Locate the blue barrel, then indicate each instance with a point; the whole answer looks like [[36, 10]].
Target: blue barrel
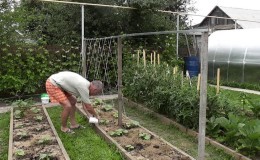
[[192, 64]]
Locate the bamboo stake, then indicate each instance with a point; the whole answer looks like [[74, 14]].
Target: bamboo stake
[[181, 78], [138, 56], [144, 56], [158, 59], [151, 58], [198, 83], [218, 80], [154, 56]]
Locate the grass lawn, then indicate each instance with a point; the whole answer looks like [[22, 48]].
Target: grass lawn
[[174, 136], [85, 143], [4, 134]]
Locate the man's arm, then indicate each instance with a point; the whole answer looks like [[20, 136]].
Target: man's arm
[[89, 109]]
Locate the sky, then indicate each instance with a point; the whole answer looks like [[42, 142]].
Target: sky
[[205, 6]]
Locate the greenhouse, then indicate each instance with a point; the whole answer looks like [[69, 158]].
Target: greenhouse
[[236, 53]]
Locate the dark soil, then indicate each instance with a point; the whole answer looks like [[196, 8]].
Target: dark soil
[[35, 137]]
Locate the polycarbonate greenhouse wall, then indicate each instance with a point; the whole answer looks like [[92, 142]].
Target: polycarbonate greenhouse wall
[[236, 53]]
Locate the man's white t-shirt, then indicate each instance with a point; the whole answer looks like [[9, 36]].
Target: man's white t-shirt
[[72, 83]]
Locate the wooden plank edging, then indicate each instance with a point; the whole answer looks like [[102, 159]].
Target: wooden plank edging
[[103, 134], [10, 148], [190, 132], [65, 154]]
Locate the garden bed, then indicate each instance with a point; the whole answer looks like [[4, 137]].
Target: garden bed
[[32, 135], [133, 140]]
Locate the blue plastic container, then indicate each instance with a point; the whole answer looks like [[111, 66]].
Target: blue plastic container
[[192, 64]]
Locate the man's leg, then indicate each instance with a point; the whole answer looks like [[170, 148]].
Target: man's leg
[[73, 102], [65, 114]]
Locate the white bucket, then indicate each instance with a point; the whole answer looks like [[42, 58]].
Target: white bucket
[[93, 120], [45, 100]]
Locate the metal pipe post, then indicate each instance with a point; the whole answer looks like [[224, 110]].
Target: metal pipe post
[[120, 95]]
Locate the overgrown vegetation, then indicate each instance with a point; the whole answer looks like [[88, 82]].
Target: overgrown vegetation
[[178, 98]]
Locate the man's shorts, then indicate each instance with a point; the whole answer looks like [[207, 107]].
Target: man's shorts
[[55, 93]]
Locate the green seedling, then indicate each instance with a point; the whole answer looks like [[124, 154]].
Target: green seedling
[[19, 152], [104, 121], [38, 118], [45, 156], [18, 114], [38, 129], [22, 135], [115, 114], [18, 126], [35, 110], [129, 147], [145, 136], [132, 124], [97, 101], [118, 132], [45, 140], [107, 108]]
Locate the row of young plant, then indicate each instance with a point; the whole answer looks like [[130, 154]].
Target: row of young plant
[[178, 98], [250, 86], [23, 107], [126, 126]]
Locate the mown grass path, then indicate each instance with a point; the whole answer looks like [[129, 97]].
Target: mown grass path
[[85, 144]]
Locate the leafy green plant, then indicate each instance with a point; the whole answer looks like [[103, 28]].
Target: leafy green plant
[[118, 132], [18, 114], [97, 101], [230, 127], [35, 110], [19, 153], [107, 108], [129, 147], [45, 156], [38, 118], [22, 135], [249, 141], [104, 121], [131, 124], [213, 127], [115, 114], [45, 140], [145, 136], [255, 107]]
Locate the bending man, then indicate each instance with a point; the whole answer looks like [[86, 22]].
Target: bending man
[[62, 87]]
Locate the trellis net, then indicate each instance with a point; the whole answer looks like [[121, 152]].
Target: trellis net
[[101, 62]]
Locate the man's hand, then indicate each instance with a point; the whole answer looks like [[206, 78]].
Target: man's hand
[[90, 110]]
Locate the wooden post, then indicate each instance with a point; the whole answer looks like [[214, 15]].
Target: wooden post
[[120, 95], [154, 58], [138, 56], [181, 78], [203, 96], [158, 59], [144, 56], [218, 80], [151, 58], [198, 83]]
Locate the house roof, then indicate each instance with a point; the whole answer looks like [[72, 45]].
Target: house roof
[[252, 16]]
